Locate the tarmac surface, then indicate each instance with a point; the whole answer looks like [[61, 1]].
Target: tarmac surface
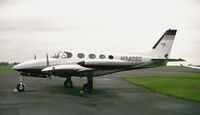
[[111, 96]]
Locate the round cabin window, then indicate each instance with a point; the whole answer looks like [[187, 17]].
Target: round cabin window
[[92, 56], [81, 55], [102, 56], [110, 57]]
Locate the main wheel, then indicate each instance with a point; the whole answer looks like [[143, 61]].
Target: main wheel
[[20, 87], [87, 88], [68, 84]]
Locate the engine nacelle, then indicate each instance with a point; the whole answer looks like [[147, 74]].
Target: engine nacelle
[[64, 70]]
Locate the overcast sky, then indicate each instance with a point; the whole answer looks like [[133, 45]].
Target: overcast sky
[[120, 26]]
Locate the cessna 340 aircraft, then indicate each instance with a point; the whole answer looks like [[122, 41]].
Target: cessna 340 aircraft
[[66, 64]]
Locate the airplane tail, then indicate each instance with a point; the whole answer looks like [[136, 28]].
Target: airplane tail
[[162, 48]]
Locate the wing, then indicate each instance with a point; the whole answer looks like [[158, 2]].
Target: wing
[[94, 67], [107, 64]]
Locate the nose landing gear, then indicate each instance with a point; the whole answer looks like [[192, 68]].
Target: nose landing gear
[[21, 85]]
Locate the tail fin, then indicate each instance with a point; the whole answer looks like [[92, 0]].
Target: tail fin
[[163, 46]]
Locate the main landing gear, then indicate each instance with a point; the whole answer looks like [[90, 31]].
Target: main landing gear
[[21, 85], [88, 87], [68, 82]]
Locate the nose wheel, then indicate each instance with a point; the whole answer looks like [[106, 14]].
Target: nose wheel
[[21, 85]]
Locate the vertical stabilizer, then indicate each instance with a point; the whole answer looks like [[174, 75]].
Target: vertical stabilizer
[[163, 46]]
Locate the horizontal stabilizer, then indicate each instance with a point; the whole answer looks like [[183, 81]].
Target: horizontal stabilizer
[[169, 60]]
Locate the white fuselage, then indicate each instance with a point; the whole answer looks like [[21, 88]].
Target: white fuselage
[[98, 63], [72, 63]]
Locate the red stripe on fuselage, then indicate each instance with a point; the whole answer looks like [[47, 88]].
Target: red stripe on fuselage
[[64, 72], [35, 71]]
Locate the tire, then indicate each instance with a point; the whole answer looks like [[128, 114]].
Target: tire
[[20, 87], [86, 88], [68, 84]]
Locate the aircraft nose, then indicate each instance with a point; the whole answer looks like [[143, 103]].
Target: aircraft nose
[[21, 66], [17, 67]]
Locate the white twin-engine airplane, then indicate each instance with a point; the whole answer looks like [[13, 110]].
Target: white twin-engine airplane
[[84, 64]]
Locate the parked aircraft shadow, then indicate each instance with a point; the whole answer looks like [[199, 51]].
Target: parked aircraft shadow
[[75, 91]]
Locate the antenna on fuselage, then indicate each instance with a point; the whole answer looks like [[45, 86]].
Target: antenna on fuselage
[[34, 56]]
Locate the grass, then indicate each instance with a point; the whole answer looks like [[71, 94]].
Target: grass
[[184, 86], [6, 68]]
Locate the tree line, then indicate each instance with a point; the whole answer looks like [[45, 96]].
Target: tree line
[[8, 64]]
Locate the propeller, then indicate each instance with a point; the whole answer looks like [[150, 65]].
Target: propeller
[[34, 56], [47, 58]]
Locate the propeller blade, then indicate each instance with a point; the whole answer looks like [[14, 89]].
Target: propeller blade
[[34, 57], [47, 59]]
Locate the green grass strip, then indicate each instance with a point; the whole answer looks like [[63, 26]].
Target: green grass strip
[[184, 86], [6, 68]]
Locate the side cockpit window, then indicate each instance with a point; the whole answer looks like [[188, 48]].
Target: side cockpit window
[[66, 55], [62, 55], [56, 55]]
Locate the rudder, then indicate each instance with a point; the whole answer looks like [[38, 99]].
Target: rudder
[[163, 46]]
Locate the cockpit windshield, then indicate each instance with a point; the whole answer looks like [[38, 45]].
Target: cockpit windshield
[[56, 55]]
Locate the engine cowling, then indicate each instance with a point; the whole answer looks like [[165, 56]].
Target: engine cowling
[[63, 70]]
